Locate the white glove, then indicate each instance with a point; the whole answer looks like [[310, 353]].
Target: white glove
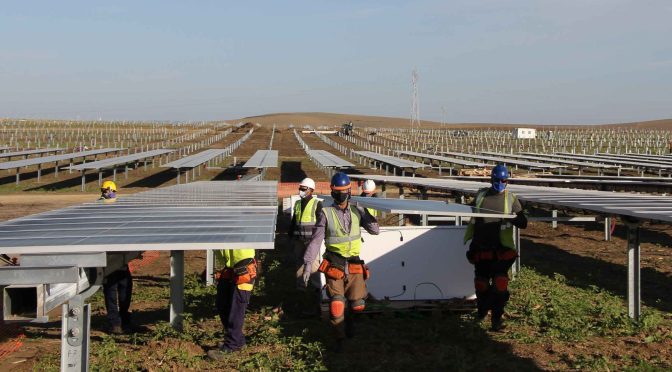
[[306, 274]]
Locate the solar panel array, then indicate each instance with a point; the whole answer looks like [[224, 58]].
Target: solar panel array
[[580, 164], [118, 160], [263, 159], [199, 215], [496, 159], [463, 162], [640, 206], [28, 152], [328, 160], [54, 158], [196, 159], [438, 208], [594, 158], [397, 162]]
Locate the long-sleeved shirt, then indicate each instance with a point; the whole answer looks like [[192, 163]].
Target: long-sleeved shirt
[[366, 220]]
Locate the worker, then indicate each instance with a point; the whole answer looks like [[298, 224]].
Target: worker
[[234, 288], [369, 190], [339, 225], [108, 191], [492, 250], [117, 280], [306, 210]]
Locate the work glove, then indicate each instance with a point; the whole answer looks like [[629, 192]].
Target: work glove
[[306, 274]]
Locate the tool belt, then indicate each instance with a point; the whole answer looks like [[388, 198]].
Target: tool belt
[[244, 271], [334, 266], [505, 254]]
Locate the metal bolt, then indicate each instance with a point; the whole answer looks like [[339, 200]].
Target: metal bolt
[[75, 311], [74, 332]]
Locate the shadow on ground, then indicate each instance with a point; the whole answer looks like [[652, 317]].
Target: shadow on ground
[[584, 272]]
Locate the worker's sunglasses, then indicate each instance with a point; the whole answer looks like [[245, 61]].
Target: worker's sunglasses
[[303, 189]]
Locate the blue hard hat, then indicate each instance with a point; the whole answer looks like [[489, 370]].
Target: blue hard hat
[[340, 181], [500, 172]]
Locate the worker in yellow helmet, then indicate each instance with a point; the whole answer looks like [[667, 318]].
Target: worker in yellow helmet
[[108, 191], [118, 281], [234, 288]]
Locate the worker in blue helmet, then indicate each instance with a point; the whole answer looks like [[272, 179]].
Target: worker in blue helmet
[[339, 226], [492, 250]]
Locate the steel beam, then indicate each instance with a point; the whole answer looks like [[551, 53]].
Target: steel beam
[[634, 290]]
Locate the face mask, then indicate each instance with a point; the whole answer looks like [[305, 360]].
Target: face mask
[[302, 194], [340, 198], [498, 185]]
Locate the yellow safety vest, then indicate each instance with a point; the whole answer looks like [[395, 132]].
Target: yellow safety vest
[[505, 233], [230, 257], [306, 221], [373, 212], [336, 239]]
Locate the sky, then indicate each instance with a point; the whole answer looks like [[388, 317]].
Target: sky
[[494, 61]]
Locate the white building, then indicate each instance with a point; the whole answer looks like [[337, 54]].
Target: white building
[[524, 133]]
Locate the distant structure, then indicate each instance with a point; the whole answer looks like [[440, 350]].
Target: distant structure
[[520, 133], [415, 100]]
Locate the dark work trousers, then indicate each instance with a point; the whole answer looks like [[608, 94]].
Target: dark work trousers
[[118, 288], [231, 303], [492, 298]]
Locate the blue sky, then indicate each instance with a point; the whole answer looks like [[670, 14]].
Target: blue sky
[[524, 61]]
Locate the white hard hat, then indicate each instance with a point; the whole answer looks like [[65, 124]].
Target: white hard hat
[[308, 182], [369, 186]]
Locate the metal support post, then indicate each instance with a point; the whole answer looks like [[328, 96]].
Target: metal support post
[[515, 269], [607, 228], [209, 267], [100, 178], [83, 180], [634, 294], [554, 214], [114, 174], [401, 196], [75, 327], [176, 288]]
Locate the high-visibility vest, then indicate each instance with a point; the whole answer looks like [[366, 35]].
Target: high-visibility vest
[[373, 212], [336, 239], [305, 221], [230, 257], [506, 232]]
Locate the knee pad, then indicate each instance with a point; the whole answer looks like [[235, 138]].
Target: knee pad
[[358, 305], [337, 307], [481, 284], [502, 283]]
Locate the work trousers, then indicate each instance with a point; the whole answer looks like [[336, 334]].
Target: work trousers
[[491, 282], [231, 304], [351, 288], [118, 290]]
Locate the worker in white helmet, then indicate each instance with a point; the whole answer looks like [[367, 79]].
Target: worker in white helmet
[[306, 210], [369, 190]]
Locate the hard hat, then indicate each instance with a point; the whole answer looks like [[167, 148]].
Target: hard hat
[[500, 172], [369, 186], [109, 185], [340, 181], [308, 182]]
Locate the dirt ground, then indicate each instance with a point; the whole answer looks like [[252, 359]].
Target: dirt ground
[[575, 251]]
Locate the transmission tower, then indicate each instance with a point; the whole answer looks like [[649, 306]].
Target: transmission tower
[[415, 100]]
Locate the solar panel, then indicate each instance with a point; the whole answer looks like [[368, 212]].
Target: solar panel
[[410, 206], [443, 158], [638, 164], [621, 203], [557, 161], [199, 215], [328, 160], [263, 159], [28, 152], [497, 159], [397, 162], [54, 158], [118, 160], [196, 159]]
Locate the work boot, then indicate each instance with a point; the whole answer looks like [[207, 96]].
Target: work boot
[[221, 353], [115, 329], [497, 325]]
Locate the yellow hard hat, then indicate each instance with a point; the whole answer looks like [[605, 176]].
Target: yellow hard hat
[[109, 185]]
